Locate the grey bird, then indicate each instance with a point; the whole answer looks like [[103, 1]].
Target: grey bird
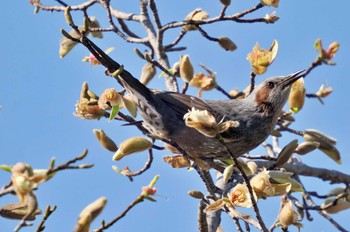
[[163, 111]]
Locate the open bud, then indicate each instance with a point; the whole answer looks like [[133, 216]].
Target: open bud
[[203, 82], [306, 147], [240, 196], [130, 105], [147, 73], [323, 91], [149, 190], [89, 214], [260, 59], [109, 98], [196, 15], [227, 44], [273, 3], [132, 145], [261, 185], [84, 109], [18, 211], [271, 18], [288, 216], [326, 55], [105, 141], [202, 121], [327, 144], [21, 181], [186, 69], [177, 161], [297, 96]]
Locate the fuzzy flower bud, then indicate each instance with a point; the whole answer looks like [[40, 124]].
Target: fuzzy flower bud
[[132, 145], [186, 69], [227, 44], [261, 185], [288, 216], [130, 105], [89, 214], [147, 73], [323, 91], [105, 141], [327, 144], [273, 3], [297, 96], [196, 15]]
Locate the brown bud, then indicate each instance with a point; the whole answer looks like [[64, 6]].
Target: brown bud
[[196, 194], [18, 211], [105, 141], [132, 145], [225, 2], [227, 44], [147, 73], [68, 16]]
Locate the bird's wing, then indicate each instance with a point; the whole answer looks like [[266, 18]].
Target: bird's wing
[[182, 103]]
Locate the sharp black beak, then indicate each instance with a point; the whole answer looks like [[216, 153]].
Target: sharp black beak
[[290, 79]]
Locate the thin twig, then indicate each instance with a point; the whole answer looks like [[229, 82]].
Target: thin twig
[[48, 212]]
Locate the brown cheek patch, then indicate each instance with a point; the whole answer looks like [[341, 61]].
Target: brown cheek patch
[[262, 95]]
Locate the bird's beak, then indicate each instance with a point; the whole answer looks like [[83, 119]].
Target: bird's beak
[[290, 79]]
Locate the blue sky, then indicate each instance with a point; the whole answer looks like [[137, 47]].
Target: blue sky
[[38, 92]]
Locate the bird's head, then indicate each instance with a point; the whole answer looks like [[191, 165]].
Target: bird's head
[[271, 94]]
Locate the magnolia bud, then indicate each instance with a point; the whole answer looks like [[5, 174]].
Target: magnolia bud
[[132, 145], [197, 14], [89, 213], [186, 69], [327, 144], [286, 152], [196, 194], [287, 216], [18, 211], [130, 105], [147, 73], [297, 95], [227, 44], [105, 141], [306, 147], [225, 2]]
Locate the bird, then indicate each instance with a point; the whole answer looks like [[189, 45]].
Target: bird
[[163, 112]]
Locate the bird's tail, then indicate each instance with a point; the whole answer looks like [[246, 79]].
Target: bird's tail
[[125, 78]]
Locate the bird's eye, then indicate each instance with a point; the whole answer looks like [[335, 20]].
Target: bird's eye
[[270, 84]]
